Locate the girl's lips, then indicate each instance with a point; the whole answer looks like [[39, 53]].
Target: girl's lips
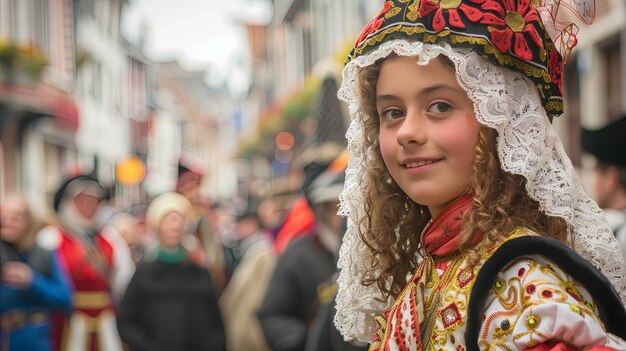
[[420, 163]]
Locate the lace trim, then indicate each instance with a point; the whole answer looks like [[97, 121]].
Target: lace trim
[[527, 145]]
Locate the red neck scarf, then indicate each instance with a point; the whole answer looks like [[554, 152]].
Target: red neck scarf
[[442, 236]]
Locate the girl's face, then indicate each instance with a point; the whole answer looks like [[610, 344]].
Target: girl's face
[[171, 229], [428, 130]]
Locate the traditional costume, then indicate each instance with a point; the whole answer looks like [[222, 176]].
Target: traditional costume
[[94, 261], [528, 292]]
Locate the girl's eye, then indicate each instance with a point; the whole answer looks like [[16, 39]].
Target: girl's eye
[[440, 107], [391, 114]]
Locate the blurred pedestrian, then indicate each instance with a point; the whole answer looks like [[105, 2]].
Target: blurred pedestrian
[[303, 277], [202, 221], [99, 266], [171, 301], [299, 219], [272, 212], [608, 145], [32, 282], [128, 227], [253, 261]]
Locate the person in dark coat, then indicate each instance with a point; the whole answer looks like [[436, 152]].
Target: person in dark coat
[[608, 145], [303, 279], [171, 301]]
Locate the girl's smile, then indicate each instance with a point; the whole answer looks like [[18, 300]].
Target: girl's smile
[[417, 164]]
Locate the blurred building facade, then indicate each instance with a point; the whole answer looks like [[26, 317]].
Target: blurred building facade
[[305, 34], [188, 122], [102, 89], [39, 117], [595, 77], [75, 96], [300, 50]]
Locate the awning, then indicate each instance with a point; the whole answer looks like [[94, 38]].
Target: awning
[[41, 98]]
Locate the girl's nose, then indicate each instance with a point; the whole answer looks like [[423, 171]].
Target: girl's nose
[[413, 130]]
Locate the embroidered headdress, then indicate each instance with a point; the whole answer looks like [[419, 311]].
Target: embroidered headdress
[[509, 57]]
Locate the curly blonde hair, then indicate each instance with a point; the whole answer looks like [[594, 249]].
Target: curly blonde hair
[[501, 204]]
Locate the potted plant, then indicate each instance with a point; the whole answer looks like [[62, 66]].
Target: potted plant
[[8, 55], [31, 61]]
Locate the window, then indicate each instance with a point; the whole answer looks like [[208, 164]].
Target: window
[[40, 26]]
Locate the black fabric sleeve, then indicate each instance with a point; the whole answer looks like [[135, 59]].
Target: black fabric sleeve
[[611, 310], [129, 324], [279, 315]]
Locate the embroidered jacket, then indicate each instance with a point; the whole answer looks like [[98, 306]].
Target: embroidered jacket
[[521, 300]]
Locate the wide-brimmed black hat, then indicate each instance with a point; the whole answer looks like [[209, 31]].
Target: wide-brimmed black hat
[[608, 144], [74, 183], [327, 186]]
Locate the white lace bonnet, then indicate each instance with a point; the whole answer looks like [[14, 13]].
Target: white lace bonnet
[[518, 100]]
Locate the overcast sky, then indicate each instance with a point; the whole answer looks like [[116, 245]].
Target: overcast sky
[[200, 34]]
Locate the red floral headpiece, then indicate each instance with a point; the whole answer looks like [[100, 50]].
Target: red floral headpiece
[[533, 37]]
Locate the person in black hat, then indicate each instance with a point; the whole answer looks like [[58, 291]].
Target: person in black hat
[[608, 145], [99, 264], [202, 221]]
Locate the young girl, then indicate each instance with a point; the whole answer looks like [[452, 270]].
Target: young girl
[[467, 226]]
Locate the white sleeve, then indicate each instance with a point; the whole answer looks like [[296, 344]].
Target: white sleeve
[[123, 264], [533, 301], [49, 238]]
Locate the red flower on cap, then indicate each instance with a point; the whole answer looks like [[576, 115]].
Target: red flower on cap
[[452, 7], [516, 17], [374, 24]]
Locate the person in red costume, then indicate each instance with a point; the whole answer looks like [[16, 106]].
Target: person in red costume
[[99, 264], [467, 226]]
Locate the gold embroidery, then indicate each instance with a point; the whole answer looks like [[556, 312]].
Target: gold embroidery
[[392, 12], [526, 284], [413, 11]]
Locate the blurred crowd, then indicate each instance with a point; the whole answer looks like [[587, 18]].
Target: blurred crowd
[[176, 273], [183, 273]]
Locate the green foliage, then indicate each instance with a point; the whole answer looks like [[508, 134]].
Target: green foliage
[[26, 57]]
